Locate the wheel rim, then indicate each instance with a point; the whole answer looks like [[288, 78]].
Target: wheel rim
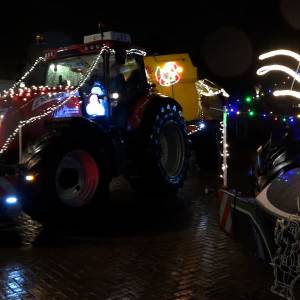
[[77, 178], [172, 148]]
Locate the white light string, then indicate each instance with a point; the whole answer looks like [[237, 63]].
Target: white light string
[[204, 87], [36, 63], [225, 153], [266, 69], [52, 108], [278, 53], [281, 93], [136, 51]]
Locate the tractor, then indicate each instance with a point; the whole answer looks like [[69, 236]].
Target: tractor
[[85, 114]]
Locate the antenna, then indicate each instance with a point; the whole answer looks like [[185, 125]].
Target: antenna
[[100, 28]]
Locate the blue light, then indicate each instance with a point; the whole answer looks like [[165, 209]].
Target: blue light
[[201, 125], [11, 200], [98, 89], [232, 110], [66, 112], [264, 115]]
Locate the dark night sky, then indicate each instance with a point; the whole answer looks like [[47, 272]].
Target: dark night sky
[[224, 38]]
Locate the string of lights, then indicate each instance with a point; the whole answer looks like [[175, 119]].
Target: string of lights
[[225, 153], [278, 53], [54, 107], [291, 93], [251, 105], [26, 74], [42, 59], [207, 88], [136, 52], [266, 69], [294, 74], [231, 112]]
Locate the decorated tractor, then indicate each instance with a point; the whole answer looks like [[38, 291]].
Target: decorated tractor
[[87, 113]]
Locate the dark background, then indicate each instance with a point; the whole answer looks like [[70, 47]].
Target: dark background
[[224, 38]]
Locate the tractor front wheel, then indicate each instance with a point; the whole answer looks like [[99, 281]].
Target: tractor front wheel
[[72, 177], [162, 150]]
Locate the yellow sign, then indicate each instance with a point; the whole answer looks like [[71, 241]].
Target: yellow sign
[[175, 76]]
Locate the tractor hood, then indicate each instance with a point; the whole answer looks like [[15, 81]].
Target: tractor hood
[[27, 104]]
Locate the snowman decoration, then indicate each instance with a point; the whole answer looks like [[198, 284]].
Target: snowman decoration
[[96, 103]]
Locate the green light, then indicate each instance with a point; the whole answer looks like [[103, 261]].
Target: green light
[[248, 99], [251, 113], [284, 119]]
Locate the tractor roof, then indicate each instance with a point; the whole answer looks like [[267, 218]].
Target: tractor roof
[[91, 44]]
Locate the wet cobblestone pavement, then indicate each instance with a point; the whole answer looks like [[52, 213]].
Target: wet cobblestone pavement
[[136, 250]]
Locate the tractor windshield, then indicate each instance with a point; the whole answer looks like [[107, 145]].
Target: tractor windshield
[[70, 71]]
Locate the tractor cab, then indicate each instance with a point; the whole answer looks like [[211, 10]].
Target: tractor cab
[[116, 76]]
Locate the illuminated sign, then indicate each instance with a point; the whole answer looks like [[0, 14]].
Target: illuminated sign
[[41, 100], [169, 74]]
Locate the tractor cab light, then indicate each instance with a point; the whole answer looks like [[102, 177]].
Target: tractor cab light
[[115, 96]]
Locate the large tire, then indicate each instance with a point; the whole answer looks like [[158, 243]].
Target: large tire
[[161, 150], [72, 180]]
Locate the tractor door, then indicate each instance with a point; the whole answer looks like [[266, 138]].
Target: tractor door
[[127, 84]]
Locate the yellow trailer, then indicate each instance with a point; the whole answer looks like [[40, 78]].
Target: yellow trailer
[[174, 75]]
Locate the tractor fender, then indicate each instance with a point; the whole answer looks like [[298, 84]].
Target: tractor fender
[[57, 129], [145, 104]]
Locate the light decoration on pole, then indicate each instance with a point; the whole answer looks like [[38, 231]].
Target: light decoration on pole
[[53, 108], [225, 152], [168, 74], [293, 74], [209, 89]]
